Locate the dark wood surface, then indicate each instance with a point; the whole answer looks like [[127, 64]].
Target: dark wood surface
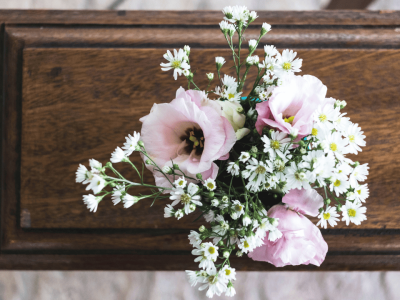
[[72, 92]]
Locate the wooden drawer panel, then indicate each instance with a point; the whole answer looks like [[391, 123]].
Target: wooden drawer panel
[[73, 92]]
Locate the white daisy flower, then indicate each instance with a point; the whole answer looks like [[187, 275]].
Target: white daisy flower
[[319, 132], [176, 62], [247, 244], [339, 184], [82, 174], [355, 137], [194, 238], [96, 184], [180, 182], [220, 229], [208, 250], [117, 193], [129, 200], [329, 215], [276, 145], [169, 211], [324, 115], [335, 144], [214, 202], [215, 283], [361, 192], [91, 202], [353, 212], [244, 156], [287, 64], [233, 169], [230, 291], [341, 123], [210, 184], [96, 167], [343, 168], [131, 143], [236, 14], [238, 209], [118, 155], [252, 16], [227, 28], [296, 177], [231, 94], [210, 216], [270, 50], [179, 214], [229, 81], [196, 277], [359, 173], [186, 198], [228, 272], [252, 60], [256, 172]]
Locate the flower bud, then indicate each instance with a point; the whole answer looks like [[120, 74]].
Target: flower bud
[[186, 49], [214, 202], [254, 149], [252, 45], [219, 62], [327, 201], [225, 199], [232, 232], [148, 162], [303, 150], [343, 104], [210, 76], [265, 28], [339, 208], [252, 16], [220, 243], [226, 254], [211, 194], [202, 228], [167, 170], [239, 109], [176, 166], [239, 253], [321, 209]]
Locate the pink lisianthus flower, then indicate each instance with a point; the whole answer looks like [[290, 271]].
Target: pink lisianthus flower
[[189, 131], [292, 105], [301, 242], [305, 201]]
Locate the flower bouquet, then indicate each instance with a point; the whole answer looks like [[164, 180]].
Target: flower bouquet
[[253, 166]]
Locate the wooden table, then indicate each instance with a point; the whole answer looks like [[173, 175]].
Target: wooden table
[[74, 84]]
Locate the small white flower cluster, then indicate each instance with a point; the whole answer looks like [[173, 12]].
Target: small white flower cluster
[[317, 161], [97, 179], [179, 62]]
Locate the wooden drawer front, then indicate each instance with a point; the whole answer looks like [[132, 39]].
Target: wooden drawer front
[[72, 93]]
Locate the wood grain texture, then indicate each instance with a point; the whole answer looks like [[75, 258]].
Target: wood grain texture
[[80, 103], [179, 262], [343, 17], [73, 93]]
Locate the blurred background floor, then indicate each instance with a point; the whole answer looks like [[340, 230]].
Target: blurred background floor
[[22, 285]]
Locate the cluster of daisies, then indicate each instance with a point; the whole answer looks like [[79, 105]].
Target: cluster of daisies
[[267, 160]]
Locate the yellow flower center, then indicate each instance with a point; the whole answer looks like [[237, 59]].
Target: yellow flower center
[[337, 183], [322, 117], [246, 244], [260, 170], [181, 182], [230, 96], [359, 192], [238, 207], [210, 185], [176, 64], [275, 145], [211, 250], [333, 147], [212, 279], [185, 198], [267, 185], [327, 216], [351, 212], [289, 120], [286, 66], [314, 132], [227, 272], [351, 138]]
